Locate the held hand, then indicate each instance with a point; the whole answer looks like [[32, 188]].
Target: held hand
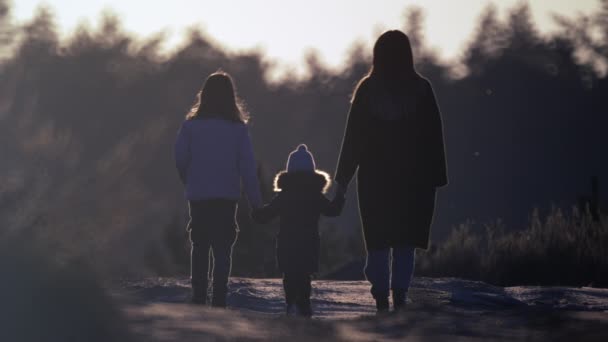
[[336, 205], [253, 213], [340, 191], [256, 214]]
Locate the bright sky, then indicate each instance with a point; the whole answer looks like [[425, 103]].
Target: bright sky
[[286, 29]]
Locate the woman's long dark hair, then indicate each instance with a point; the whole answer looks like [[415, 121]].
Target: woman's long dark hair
[[393, 59], [218, 99], [392, 80]]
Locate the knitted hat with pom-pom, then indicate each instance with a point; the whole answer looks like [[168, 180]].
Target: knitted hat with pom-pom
[[301, 160]]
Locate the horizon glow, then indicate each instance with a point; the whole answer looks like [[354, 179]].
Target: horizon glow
[[286, 31]]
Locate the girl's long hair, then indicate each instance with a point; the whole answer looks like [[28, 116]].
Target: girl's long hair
[[218, 99]]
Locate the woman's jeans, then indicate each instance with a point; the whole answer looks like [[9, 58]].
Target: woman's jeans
[[380, 264], [213, 229]]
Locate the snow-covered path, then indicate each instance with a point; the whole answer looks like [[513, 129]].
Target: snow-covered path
[[438, 309]]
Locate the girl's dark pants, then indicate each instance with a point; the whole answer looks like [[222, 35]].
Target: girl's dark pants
[[297, 287], [213, 228], [298, 260]]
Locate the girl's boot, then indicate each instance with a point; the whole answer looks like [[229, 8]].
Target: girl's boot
[[290, 309], [382, 305], [399, 298], [304, 307]]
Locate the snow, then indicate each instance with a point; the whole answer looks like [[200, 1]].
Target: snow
[[438, 309], [331, 299], [351, 299], [563, 298]]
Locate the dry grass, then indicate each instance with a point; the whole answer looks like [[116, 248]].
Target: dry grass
[[559, 249]]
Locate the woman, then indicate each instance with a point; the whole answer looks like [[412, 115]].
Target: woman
[[394, 139], [214, 155]]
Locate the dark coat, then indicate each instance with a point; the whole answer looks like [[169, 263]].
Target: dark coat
[[399, 160], [299, 204]]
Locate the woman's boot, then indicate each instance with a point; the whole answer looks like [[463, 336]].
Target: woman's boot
[[199, 294], [219, 296]]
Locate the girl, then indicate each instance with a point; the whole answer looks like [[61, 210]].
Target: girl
[[299, 204], [394, 139], [213, 155]]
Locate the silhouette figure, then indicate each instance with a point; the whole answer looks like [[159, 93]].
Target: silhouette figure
[[394, 142], [299, 203], [213, 155]]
